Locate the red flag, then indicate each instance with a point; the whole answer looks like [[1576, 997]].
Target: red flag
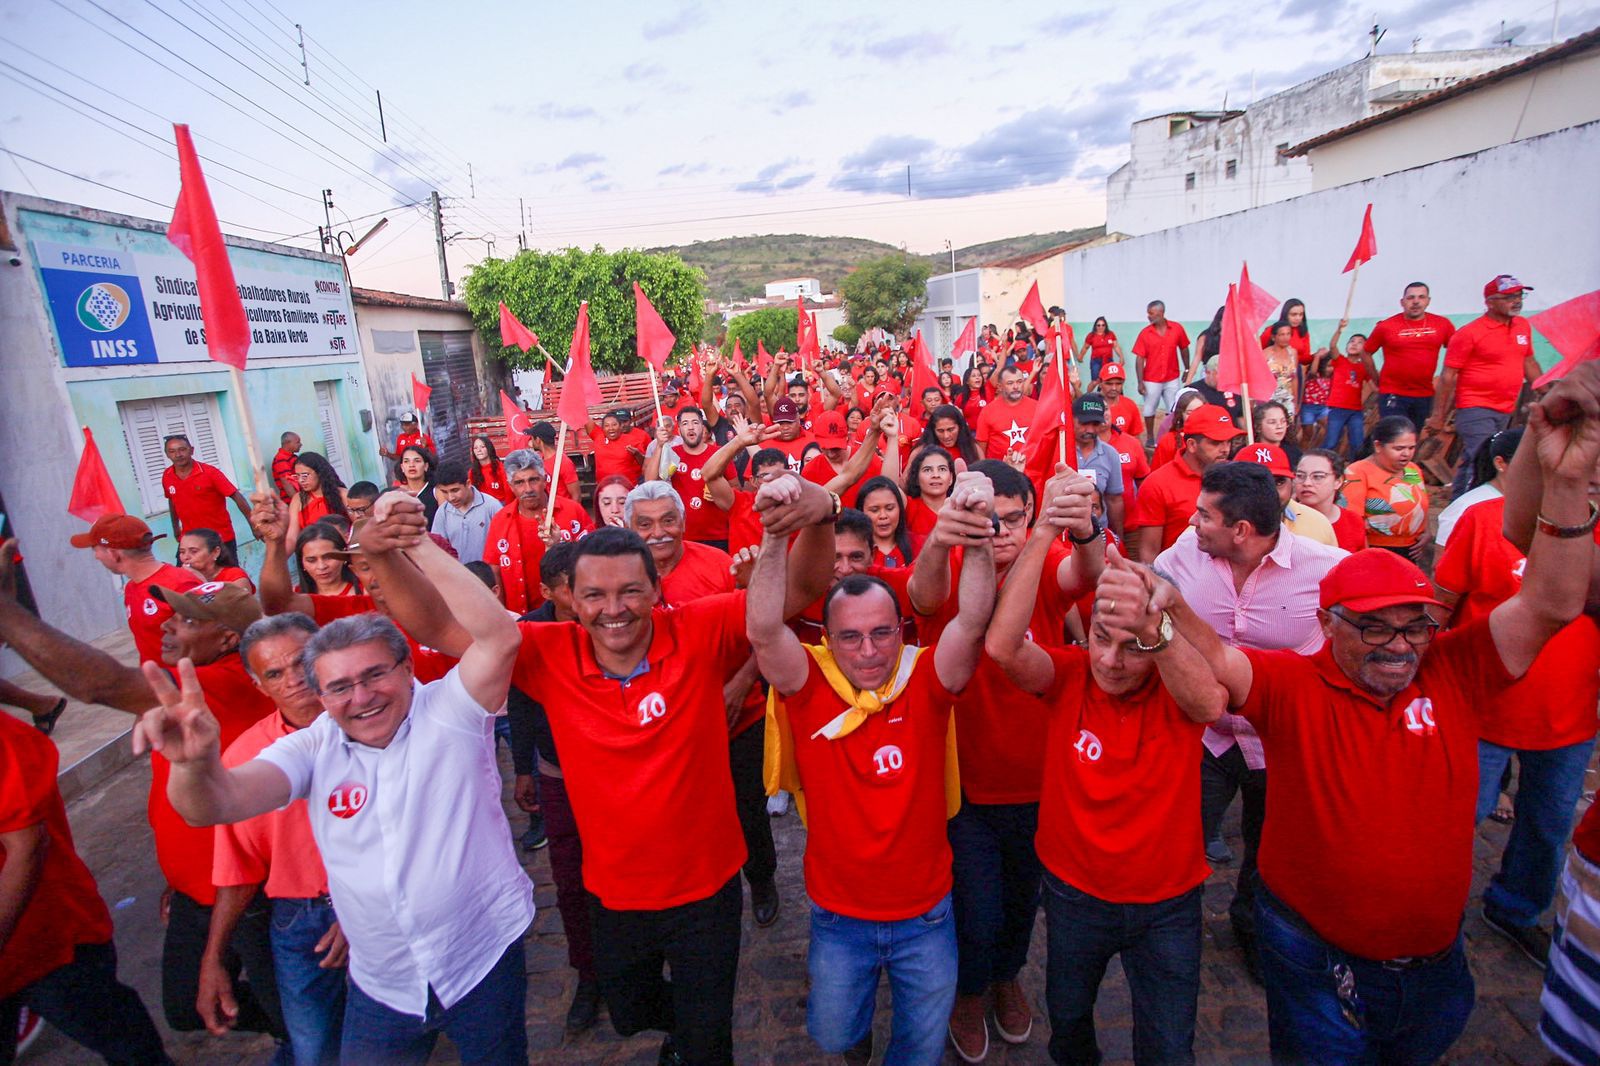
[[763, 358], [195, 231], [654, 339], [514, 334], [967, 342], [1032, 310], [1052, 417], [518, 422], [697, 379], [923, 376], [1241, 363], [420, 394], [1259, 304], [1366, 244], [738, 355], [93, 494], [1573, 329], [579, 389]]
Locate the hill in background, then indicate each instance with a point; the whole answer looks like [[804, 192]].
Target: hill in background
[[738, 268]]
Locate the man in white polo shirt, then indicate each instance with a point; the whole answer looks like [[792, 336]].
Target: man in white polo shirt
[[404, 797]]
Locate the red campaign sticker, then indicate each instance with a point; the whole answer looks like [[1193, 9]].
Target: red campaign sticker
[[888, 761], [347, 800]]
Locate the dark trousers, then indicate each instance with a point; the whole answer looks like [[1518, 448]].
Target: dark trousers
[[566, 870], [996, 890], [745, 752], [86, 1002], [1221, 777], [1160, 948], [250, 950], [699, 941], [1416, 408]]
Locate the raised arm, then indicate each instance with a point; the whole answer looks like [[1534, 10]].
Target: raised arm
[[1227, 664], [787, 504], [274, 585], [653, 461], [1067, 506], [752, 400], [779, 656], [1024, 662], [955, 657], [485, 667], [1185, 673], [409, 598]]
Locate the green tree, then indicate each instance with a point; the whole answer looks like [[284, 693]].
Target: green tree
[[543, 289], [711, 328], [847, 335], [773, 326], [886, 293]]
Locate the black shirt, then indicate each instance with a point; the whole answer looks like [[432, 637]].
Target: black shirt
[[531, 738]]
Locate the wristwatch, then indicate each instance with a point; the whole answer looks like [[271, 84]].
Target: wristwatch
[[1095, 531], [1550, 529], [838, 509], [1165, 632]]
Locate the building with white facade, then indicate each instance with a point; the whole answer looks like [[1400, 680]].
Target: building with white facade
[[1187, 166], [791, 288]]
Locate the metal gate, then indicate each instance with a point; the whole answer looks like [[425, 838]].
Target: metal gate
[[452, 374]]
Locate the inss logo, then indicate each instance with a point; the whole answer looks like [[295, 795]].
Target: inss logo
[[103, 307]]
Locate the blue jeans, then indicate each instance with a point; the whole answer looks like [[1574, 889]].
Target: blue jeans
[[1386, 1014], [487, 1025], [996, 892], [1160, 948], [1347, 423], [312, 998], [848, 955], [1548, 786], [1474, 427], [1416, 408]]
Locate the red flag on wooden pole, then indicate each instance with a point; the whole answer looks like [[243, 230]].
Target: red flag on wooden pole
[[1032, 310], [513, 334], [93, 494], [579, 389], [1366, 244], [420, 394], [651, 334], [923, 375], [195, 231], [738, 355]]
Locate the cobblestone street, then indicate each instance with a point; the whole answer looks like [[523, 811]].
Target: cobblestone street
[[769, 1019]]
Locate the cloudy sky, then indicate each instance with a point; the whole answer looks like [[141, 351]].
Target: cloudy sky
[[643, 124]]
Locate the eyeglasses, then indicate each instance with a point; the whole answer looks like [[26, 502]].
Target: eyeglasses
[[1014, 521], [343, 691], [1316, 477], [1377, 634], [852, 640]]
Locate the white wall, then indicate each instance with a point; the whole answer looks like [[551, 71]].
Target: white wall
[[1525, 208]]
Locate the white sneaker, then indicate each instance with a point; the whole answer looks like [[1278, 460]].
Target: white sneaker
[[778, 805]]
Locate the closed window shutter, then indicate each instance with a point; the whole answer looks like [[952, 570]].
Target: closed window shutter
[[142, 434], [332, 429]]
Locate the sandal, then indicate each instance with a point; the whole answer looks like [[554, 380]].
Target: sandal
[[46, 723], [1502, 815]]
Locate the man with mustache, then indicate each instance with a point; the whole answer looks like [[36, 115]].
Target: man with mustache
[[1366, 855]]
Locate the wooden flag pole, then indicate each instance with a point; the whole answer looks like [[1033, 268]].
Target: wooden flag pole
[[555, 475], [248, 422], [655, 394], [1066, 402], [1351, 298], [1249, 417]]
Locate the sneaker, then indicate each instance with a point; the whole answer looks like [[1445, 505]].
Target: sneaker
[[585, 1008], [534, 838], [861, 1054], [778, 805], [1531, 940], [969, 1028], [1218, 853], [29, 1026], [1013, 1016]]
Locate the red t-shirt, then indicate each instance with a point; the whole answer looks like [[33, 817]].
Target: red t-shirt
[[791, 449], [703, 519], [1124, 415], [1350, 530], [1553, 704], [1371, 830], [1160, 351], [492, 481], [820, 471], [1411, 352], [1167, 499], [66, 909], [569, 476], [975, 408], [1101, 345], [920, 518], [1348, 377], [1003, 427], [646, 759], [703, 571], [415, 440], [275, 849], [1487, 358], [1120, 814], [1135, 467], [183, 851], [200, 500], [1167, 448], [146, 614], [613, 457], [744, 524], [876, 845]]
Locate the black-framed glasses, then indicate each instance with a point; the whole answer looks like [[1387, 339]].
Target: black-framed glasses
[[1378, 634], [340, 691]]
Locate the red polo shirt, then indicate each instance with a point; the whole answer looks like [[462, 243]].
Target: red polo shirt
[[1160, 351], [821, 470], [1135, 466], [276, 848], [646, 759], [1411, 353], [876, 845], [1124, 414], [1487, 357], [1003, 427], [66, 909], [744, 523], [1553, 704], [415, 440], [1120, 814], [146, 613], [200, 500], [1167, 499], [1370, 833], [613, 457], [702, 571]]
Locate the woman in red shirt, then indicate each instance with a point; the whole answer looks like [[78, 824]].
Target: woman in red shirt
[[1317, 481], [321, 493], [946, 428], [200, 552], [1101, 347], [892, 543], [322, 559], [488, 475], [929, 476], [1171, 442], [974, 394]]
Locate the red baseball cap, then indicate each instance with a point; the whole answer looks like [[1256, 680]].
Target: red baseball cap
[[1113, 372], [1212, 422], [1270, 456], [1374, 578], [1505, 285], [830, 429], [116, 531]]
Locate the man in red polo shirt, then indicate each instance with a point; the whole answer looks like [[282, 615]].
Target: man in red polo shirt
[[410, 436], [198, 494], [1366, 856], [836, 457], [1003, 426], [1119, 809], [1162, 351], [681, 461], [121, 544], [863, 735], [619, 447], [283, 478], [1167, 497], [1121, 412], [1410, 342], [57, 957], [1485, 366]]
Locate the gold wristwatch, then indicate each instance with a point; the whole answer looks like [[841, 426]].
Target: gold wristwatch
[[1165, 632]]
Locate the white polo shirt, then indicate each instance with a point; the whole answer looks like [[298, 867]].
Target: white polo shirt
[[421, 869]]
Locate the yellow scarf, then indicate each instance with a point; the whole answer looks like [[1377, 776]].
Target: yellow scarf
[[778, 767]]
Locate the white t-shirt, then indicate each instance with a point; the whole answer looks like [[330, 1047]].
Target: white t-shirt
[[420, 865], [1458, 507]]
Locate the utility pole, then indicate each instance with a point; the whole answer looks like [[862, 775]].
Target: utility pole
[[383, 129], [438, 236], [327, 216], [522, 232], [472, 190], [302, 35]]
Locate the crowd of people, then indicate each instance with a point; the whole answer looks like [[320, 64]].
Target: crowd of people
[[1000, 659]]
